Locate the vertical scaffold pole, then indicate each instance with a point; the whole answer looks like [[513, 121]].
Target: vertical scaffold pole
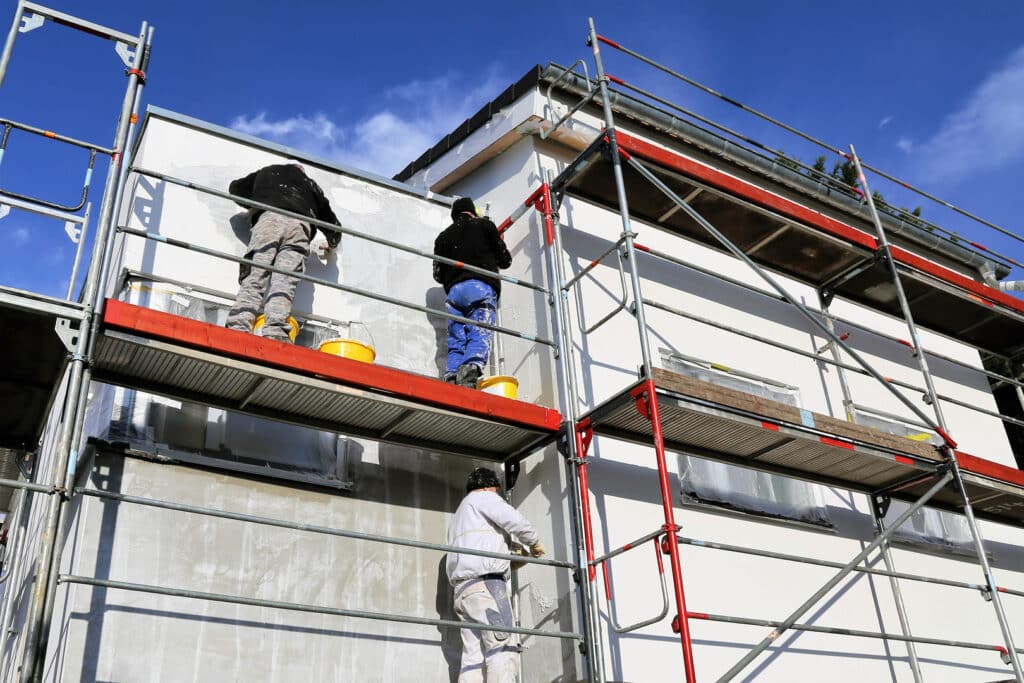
[[566, 374], [651, 398], [66, 451], [5, 57], [897, 597], [950, 445], [883, 549]]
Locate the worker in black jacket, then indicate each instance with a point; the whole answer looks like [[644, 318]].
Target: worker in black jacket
[[477, 242], [278, 241]]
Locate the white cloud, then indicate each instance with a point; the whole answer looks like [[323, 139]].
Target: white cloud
[[411, 117], [986, 133], [21, 236], [886, 120], [905, 144], [318, 127]]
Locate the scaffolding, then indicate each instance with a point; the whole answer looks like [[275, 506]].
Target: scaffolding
[[130, 346], [660, 187]]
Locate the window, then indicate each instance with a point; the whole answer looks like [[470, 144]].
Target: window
[[739, 488], [927, 526], [934, 528]]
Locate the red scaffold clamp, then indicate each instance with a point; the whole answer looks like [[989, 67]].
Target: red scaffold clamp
[[136, 72]]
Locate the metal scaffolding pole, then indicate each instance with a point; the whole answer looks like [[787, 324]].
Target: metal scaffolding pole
[[649, 397], [727, 547], [897, 596], [738, 253], [811, 139], [333, 285], [12, 35], [757, 290], [979, 543], [311, 609], [66, 451], [566, 376], [788, 622]]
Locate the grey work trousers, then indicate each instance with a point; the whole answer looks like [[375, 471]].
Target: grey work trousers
[[276, 241], [491, 656]]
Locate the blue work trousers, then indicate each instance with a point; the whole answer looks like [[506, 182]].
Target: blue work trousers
[[467, 343]]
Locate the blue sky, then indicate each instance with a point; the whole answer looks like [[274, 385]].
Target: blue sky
[[934, 93]]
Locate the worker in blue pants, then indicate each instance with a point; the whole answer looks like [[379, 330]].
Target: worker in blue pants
[[475, 241]]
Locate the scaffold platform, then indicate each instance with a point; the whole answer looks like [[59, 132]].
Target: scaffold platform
[[710, 421], [794, 240], [191, 360]]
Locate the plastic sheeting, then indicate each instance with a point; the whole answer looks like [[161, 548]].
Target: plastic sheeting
[[197, 433], [740, 488]]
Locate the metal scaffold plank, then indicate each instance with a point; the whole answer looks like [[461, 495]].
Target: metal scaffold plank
[[163, 353]]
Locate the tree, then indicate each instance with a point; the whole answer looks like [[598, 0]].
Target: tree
[[880, 202], [791, 163], [846, 172], [819, 169]]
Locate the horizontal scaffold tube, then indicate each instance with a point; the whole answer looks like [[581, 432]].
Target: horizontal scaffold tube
[[27, 485], [8, 123], [312, 528], [837, 565], [327, 283], [331, 227], [835, 630], [827, 361], [300, 607], [801, 134], [757, 290]]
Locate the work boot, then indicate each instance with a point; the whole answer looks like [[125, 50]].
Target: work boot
[[449, 377], [467, 375]]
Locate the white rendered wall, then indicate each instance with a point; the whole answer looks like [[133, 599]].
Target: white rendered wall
[[624, 491], [400, 492]]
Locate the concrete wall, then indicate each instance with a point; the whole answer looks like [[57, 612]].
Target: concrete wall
[[624, 490]]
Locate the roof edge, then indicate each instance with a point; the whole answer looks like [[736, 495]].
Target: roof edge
[[316, 161]]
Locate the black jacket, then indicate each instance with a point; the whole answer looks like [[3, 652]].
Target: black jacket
[[286, 186], [475, 241]]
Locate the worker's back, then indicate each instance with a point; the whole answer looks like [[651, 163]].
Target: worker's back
[[484, 521], [477, 242]]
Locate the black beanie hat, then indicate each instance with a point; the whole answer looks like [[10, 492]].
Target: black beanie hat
[[463, 204]]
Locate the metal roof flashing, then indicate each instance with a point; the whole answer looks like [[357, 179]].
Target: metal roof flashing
[[675, 133]]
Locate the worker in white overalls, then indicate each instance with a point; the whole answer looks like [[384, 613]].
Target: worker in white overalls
[[484, 521]]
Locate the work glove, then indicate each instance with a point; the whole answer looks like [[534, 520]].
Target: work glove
[[537, 550]]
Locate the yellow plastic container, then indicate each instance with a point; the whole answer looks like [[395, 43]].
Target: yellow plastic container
[[349, 348], [293, 326], [501, 385]]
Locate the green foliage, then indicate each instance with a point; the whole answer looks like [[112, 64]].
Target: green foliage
[[846, 171], [789, 162], [819, 166]]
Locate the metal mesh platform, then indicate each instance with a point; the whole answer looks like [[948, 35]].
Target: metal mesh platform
[[190, 360], [717, 423], [716, 430], [791, 239], [34, 362], [996, 491]]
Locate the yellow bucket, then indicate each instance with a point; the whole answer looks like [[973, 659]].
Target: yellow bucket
[[349, 348], [501, 385], [293, 326]]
